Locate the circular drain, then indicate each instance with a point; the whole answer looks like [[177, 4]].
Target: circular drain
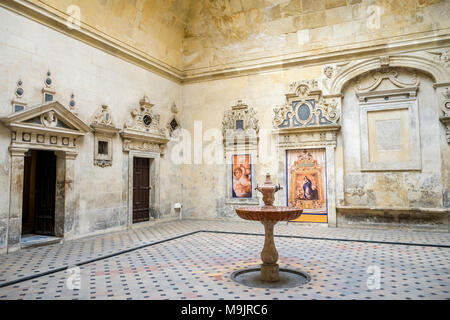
[[288, 278]]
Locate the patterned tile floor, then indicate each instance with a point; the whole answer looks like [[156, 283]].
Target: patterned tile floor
[[199, 265]]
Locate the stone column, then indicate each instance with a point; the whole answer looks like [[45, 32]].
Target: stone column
[[331, 186], [71, 197], [269, 255], [60, 193], [16, 198]]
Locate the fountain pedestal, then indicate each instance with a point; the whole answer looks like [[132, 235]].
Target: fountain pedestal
[[269, 255], [269, 215]]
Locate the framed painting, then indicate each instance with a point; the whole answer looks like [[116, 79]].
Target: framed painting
[[241, 176], [306, 183]]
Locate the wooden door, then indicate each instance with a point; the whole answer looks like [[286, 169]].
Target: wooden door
[[141, 189], [45, 193]]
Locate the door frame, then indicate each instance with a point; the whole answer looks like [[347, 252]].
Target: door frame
[[66, 195], [154, 178]]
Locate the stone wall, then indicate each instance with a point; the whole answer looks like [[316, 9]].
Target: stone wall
[[154, 28], [395, 196], [27, 51], [227, 34]]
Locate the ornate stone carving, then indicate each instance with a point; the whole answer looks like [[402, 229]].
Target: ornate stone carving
[[129, 145], [102, 118], [104, 131], [143, 131], [48, 92], [240, 120], [328, 71], [442, 56], [174, 123], [303, 88], [387, 74], [445, 106], [50, 126], [49, 119], [72, 104], [305, 107], [385, 61], [143, 119], [17, 103]]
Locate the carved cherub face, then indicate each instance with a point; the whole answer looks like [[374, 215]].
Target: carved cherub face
[[328, 71]]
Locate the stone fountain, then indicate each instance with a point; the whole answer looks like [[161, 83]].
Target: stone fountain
[[269, 275]]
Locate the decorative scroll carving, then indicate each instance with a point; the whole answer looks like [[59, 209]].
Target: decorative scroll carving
[[305, 107], [442, 56], [143, 131], [144, 120], [102, 118], [387, 74], [445, 105], [241, 120]]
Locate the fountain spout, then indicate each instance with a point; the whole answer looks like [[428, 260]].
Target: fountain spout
[[268, 190]]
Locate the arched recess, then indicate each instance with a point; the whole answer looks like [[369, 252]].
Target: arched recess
[[347, 73], [439, 74]]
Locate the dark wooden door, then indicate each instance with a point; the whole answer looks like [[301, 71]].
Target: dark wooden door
[[141, 189], [45, 193]]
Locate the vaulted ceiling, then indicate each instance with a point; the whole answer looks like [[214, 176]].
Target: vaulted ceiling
[[191, 37]]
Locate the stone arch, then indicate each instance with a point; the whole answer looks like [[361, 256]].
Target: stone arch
[[346, 74]]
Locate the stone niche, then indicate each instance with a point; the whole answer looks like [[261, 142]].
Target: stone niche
[[104, 132], [240, 129], [48, 127], [308, 121], [143, 137], [389, 122]]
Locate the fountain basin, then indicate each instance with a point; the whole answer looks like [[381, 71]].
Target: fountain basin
[[269, 213]]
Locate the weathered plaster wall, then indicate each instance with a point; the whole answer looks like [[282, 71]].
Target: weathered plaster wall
[[27, 51], [152, 27], [223, 33]]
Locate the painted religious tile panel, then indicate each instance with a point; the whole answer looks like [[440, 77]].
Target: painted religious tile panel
[[242, 176], [307, 183]]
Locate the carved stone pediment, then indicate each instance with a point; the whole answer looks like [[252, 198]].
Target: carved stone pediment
[[306, 108], [46, 126], [143, 131], [102, 121], [240, 124]]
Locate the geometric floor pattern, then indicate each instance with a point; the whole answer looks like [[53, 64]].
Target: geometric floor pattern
[[359, 264]]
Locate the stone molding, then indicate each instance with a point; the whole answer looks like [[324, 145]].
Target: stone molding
[[418, 60], [50, 126]]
